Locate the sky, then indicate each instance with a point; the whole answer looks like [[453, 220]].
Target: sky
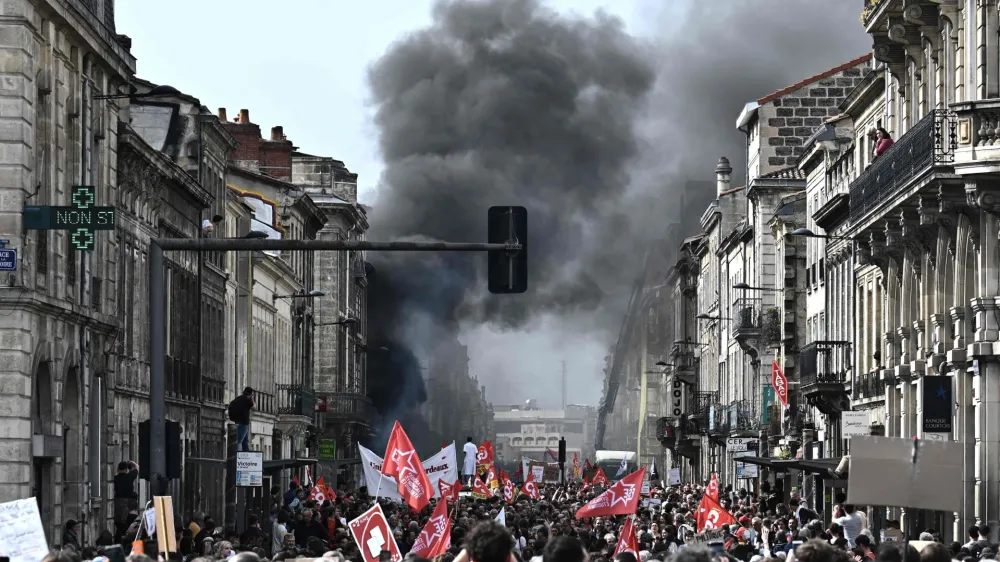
[[303, 65]]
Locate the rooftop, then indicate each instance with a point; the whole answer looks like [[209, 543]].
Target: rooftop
[[789, 173], [811, 79]]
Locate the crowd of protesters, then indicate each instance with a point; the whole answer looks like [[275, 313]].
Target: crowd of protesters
[[769, 528]]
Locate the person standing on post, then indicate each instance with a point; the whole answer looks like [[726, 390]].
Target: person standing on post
[[239, 413], [469, 467]]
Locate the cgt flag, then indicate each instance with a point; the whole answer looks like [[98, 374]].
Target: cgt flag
[[372, 534], [627, 539], [712, 490], [435, 539], [530, 488], [401, 462], [622, 498], [711, 515], [484, 457]]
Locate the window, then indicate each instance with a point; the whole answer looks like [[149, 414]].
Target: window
[[822, 271]]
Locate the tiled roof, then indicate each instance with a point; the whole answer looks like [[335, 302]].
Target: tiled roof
[[812, 79], [733, 190], [789, 173]]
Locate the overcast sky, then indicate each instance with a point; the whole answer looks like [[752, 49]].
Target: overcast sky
[[302, 64]]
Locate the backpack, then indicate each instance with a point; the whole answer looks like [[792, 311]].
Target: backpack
[[235, 409]]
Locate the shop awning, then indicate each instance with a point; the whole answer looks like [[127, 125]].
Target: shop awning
[[822, 467], [773, 464], [282, 464]]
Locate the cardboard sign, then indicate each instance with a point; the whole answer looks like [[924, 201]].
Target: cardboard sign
[[708, 537], [164, 508], [22, 538], [372, 534], [897, 472]]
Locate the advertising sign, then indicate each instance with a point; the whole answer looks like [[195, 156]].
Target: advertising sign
[[938, 405]]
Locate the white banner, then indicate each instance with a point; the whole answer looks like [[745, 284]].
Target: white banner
[[443, 465], [501, 517]]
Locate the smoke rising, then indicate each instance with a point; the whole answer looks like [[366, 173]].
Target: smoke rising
[[593, 130]]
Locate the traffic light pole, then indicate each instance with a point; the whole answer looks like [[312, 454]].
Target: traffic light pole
[[157, 310]]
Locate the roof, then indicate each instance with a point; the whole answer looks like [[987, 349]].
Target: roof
[[811, 79], [733, 190], [789, 173]]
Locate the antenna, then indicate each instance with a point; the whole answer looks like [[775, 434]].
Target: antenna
[[564, 384]]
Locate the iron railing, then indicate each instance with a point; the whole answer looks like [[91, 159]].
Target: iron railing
[[295, 400], [699, 407], [868, 385], [213, 390], [824, 362], [748, 317], [351, 407], [182, 378], [928, 143]]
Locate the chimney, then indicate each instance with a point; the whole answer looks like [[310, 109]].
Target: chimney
[[244, 116], [723, 174], [277, 133], [222, 115]]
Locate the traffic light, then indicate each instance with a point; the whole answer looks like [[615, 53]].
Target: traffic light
[[562, 450], [508, 269], [173, 450]]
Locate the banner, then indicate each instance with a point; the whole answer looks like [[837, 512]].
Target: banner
[[938, 407], [779, 382], [442, 466]]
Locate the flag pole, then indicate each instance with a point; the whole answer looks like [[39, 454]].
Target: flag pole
[[378, 489]]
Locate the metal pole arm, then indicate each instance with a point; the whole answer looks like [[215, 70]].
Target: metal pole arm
[[258, 245]]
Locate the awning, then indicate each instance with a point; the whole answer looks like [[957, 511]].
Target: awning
[[202, 460], [282, 464], [822, 467], [773, 464]]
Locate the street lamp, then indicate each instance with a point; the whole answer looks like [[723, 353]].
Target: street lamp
[[746, 287], [688, 342], [806, 233], [344, 322], [710, 317], [310, 295]]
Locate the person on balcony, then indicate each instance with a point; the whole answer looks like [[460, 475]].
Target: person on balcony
[[883, 141], [239, 413]]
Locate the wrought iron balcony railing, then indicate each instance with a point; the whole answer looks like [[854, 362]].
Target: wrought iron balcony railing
[[748, 319], [295, 400], [823, 373], [347, 406], [928, 143], [868, 385]]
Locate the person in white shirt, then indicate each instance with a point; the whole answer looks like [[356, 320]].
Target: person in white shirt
[[469, 466]]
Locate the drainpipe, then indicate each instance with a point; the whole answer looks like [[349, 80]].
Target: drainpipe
[[95, 418]]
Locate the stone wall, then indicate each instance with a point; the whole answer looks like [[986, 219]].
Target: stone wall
[[786, 122]]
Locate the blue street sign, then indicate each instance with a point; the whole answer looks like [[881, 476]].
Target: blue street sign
[[8, 260]]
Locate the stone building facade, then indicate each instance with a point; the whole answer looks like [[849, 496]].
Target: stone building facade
[[59, 306]]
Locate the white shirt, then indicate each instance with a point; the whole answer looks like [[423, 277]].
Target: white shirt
[[471, 450]]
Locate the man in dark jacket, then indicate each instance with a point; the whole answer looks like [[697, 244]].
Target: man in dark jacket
[[239, 413]]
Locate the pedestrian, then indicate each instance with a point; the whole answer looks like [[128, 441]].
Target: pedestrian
[[239, 413], [469, 466]]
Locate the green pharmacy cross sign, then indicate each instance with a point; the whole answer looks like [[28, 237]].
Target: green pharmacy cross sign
[[82, 217]]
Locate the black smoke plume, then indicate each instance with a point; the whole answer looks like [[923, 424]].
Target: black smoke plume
[[593, 130]]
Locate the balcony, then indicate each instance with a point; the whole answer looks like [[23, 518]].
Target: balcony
[[666, 432], [824, 370], [346, 407], [929, 143], [699, 409], [747, 324], [868, 386], [732, 419], [182, 379], [294, 400]]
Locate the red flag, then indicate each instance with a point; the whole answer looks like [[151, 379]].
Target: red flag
[[586, 464], [622, 498], [519, 473], [444, 444], [509, 491], [712, 490], [449, 490], [551, 454], [435, 539], [627, 540], [492, 479], [295, 478], [479, 488], [576, 464], [331, 494], [372, 534], [530, 488], [484, 457], [402, 463], [600, 479], [318, 492], [711, 515], [779, 382]]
